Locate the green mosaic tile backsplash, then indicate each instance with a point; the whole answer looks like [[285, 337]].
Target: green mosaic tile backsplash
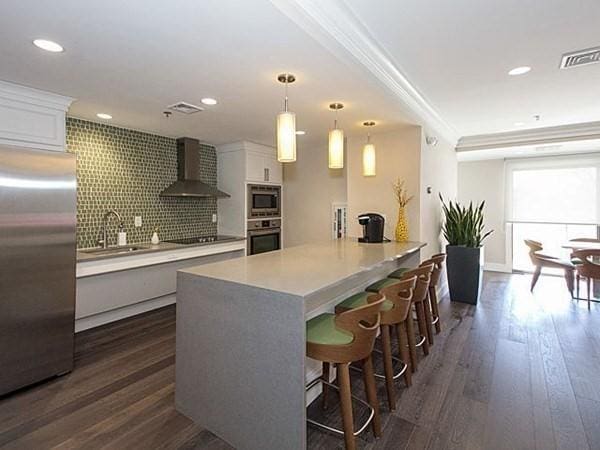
[[125, 170]]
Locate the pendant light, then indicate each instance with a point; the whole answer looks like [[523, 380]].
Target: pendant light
[[286, 126], [368, 155], [336, 141]]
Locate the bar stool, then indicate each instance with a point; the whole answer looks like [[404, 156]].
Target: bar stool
[[420, 294], [394, 314], [430, 306], [438, 260], [343, 339]]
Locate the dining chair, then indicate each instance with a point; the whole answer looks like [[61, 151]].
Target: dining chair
[[589, 268], [540, 260]]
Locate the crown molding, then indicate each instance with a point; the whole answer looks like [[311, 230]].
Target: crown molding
[[24, 94], [535, 136], [333, 22]]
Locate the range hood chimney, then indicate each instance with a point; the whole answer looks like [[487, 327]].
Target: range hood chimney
[[188, 182]]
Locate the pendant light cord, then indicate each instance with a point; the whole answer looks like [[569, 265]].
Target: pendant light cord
[[286, 94]]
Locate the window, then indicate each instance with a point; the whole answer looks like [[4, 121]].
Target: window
[[551, 200]]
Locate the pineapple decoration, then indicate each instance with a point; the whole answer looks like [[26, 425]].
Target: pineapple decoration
[[402, 198]]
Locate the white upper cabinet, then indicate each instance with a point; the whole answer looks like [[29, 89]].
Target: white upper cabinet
[[263, 167], [32, 118], [258, 162]]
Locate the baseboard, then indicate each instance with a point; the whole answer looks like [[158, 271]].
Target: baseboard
[[96, 320], [496, 267]]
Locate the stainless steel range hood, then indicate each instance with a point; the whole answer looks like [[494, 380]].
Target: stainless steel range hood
[[188, 182]]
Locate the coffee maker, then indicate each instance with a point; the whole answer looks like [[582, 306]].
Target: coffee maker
[[372, 225]]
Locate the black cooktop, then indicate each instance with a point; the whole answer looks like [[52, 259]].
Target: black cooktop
[[201, 240]]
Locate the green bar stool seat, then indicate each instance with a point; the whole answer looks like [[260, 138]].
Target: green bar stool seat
[[380, 284], [360, 299], [322, 330], [398, 273]]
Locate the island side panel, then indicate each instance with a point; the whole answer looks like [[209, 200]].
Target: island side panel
[[240, 357]]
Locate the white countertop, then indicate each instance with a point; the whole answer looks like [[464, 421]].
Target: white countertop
[[305, 269], [159, 254]]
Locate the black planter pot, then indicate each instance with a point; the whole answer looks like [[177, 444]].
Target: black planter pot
[[465, 270]]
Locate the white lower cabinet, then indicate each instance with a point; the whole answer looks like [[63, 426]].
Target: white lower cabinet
[[106, 297]]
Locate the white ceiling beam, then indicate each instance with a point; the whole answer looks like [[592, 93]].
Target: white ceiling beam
[[535, 136]]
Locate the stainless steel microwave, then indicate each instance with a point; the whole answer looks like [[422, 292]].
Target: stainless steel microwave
[[264, 201]]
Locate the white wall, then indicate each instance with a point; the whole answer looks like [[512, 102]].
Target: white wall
[[485, 180], [398, 155], [309, 189], [439, 171]]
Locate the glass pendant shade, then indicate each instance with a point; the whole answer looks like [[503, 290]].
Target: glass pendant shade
[[286, 137], [368, 162], [336, 149]]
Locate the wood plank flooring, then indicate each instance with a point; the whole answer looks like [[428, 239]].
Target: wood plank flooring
[[519, 371]]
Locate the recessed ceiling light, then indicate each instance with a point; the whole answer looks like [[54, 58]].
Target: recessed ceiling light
[[209, 101], [300, 132], [104, 116], [49, 46], [519, 70]]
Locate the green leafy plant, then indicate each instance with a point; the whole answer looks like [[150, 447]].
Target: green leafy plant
[[463, 225]]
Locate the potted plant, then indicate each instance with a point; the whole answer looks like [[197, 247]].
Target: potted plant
[[463, 229]]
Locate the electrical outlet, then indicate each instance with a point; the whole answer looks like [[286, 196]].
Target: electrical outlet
[[214, 218], [137, 221]]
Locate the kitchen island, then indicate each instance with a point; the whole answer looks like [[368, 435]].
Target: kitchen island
[[241, 363]]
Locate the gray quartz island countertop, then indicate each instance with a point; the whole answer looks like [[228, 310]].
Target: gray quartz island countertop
[[241, 365], [306, 269]]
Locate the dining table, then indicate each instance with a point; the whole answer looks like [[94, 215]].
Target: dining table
[[586, 245]]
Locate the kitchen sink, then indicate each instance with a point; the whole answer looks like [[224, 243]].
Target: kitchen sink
[[115, 250]]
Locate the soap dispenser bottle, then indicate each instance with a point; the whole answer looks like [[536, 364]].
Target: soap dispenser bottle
[[155, 240], [121, 235]]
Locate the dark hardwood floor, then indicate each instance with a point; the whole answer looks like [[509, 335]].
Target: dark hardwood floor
[[519, 371]]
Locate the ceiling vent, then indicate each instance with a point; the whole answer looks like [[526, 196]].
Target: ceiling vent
[[580, 58], [185, 108]]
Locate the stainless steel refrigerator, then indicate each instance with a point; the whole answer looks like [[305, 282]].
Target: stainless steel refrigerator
[[37, 265]]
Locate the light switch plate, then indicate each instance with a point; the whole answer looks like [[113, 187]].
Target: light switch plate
[[137, 221], [214, 218]]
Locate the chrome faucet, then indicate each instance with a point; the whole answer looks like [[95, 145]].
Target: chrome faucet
[[104, 241]]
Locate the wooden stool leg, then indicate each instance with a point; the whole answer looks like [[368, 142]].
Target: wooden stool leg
[[412, 345], [346, 405], [325, 393], [404, 353], [388, 367], [435, 308], [428, 320], [422, 326], [589, 288], [369, 378]]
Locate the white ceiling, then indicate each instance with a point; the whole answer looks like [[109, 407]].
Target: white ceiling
[[457, 54], [133, 58]]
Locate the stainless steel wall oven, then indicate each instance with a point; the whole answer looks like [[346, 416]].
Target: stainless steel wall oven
[[263, 236]]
